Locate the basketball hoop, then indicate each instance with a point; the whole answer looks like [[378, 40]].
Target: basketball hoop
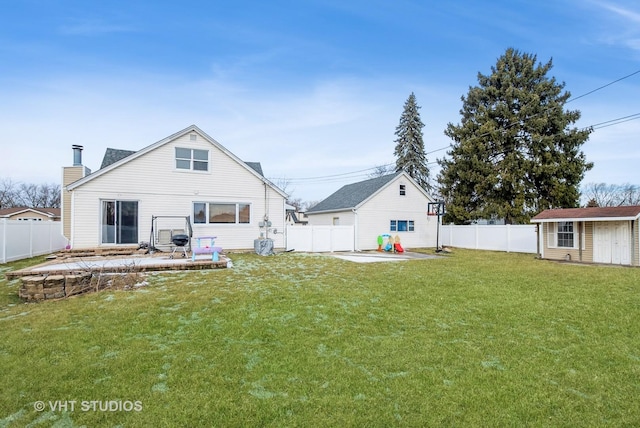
[[436, 209]]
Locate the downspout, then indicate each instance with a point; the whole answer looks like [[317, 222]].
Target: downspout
[[266, 211], [355, 229], [285, 224], [72, 222]]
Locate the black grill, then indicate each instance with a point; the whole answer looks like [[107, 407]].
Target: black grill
[[180, 240]]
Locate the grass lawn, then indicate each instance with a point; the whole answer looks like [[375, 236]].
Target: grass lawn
[[471, 339]]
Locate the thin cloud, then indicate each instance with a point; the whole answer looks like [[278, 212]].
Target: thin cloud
[[622, 12], [94, 28], [626, 31]]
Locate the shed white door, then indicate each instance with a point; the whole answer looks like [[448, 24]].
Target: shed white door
[[611, 243]]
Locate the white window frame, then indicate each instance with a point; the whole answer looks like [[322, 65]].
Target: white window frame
[[207, 205], [192, 159], [552, 235], [394, 225]]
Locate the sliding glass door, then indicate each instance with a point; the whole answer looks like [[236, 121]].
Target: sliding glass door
[[119, 222]]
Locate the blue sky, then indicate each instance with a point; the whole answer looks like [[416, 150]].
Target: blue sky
[[311, 89]]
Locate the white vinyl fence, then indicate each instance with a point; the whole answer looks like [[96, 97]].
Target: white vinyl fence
[[319, 239], [516, 238], [24, 239]]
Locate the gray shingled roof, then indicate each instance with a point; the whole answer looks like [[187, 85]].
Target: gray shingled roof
[[256, 167], [113, 156], [351, 195]]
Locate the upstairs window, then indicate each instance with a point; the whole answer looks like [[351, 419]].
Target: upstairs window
[[192, 159], [403, 190]]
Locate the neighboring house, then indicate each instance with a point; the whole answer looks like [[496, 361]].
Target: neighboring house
[[489, 222], [393, 204], [590, 235], [187, 174], [296, 217], [35, 214]]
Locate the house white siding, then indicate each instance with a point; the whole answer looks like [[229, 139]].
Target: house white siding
[[375, 215], [162, 190], [346, 218]]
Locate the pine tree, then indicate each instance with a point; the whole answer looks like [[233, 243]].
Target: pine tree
[[515, 152], [409, 151]]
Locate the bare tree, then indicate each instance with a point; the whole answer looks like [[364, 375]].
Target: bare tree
[[14, 194], [49, 195], [8, 192], [28, 195], [283, 184], [309, 204], [296, 202], [380, 170], [630, 194], [611, 195]]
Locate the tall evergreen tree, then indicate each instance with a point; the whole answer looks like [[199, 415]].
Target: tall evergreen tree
[[515, 152], [409, 151]]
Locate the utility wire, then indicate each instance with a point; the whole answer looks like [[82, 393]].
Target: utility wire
[[364, 173], [616, 121], [604, 86]]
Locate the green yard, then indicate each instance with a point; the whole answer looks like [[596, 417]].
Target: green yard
[[472, 339]]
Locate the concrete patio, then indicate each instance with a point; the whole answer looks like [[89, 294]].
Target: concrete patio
[[121, 264]]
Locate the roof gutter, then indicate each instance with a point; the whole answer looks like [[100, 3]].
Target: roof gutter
[[555, 220]]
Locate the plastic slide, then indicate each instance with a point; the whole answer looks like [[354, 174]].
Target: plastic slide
[[398, 248]]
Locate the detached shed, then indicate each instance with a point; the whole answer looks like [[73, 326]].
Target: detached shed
[[590, 235]]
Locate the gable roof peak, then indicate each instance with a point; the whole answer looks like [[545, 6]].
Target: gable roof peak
[[351, 195], [255, 167]]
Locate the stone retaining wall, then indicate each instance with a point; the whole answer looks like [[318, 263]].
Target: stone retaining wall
[[44, 287]]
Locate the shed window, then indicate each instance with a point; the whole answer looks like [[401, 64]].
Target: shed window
[[561, 235], [565, 234]]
